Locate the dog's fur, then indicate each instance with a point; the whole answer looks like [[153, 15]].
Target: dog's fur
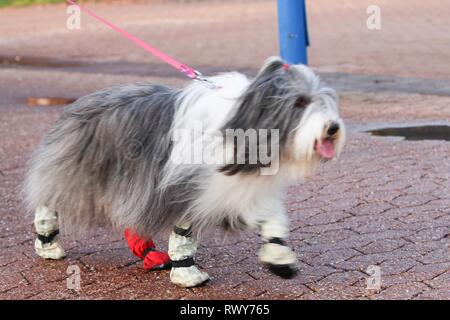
[[109, 158]]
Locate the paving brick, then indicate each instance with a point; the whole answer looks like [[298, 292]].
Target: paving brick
[[401, 291]]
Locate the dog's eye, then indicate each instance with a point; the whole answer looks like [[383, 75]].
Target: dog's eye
[[302, 102]]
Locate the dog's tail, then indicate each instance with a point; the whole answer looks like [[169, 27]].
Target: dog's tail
[[103, 161]]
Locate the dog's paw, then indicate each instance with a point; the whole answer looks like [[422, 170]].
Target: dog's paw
[[52, 250], [188, 276], [280, 259], [285, 271]]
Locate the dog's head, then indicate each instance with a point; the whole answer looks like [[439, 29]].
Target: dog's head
[[292, 100]]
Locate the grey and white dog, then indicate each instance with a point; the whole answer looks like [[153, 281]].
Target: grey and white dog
[[113, 159]]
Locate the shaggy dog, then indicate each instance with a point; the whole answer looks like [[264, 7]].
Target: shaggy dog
[[152, 158]]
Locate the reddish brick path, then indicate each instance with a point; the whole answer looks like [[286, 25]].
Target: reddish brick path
[[385, 202]]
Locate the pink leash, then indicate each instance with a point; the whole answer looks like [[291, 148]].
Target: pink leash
[[188, 71]]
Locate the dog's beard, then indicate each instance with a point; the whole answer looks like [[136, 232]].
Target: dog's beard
[[311, 145]]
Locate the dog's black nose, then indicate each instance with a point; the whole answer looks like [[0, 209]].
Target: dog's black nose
[[333, 128]]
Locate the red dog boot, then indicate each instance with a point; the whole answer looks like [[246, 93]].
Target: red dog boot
[[153, 259]]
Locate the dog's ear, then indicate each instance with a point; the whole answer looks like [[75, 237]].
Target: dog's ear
[[271, 65]]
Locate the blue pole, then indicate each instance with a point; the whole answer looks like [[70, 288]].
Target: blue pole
[[293, 31]]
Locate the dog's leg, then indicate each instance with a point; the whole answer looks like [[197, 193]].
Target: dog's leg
[[46, 244], [280, 259], [182, 247]]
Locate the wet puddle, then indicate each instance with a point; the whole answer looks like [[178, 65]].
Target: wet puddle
[[428, 132]]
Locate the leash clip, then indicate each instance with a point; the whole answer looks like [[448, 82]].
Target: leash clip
[[208, 83]]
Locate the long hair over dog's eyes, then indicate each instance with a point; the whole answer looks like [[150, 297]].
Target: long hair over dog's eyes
[[302, 102]]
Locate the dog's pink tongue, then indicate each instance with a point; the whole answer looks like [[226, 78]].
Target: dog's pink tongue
[[325, 148]]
